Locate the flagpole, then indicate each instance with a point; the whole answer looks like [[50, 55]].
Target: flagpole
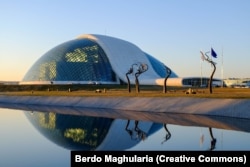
[[201, 73], [222, 72], [202, 59]]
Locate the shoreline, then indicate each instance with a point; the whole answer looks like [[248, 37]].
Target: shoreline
[[235, 108]]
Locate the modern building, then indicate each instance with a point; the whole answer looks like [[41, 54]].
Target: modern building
[[9, 82], [237, 82], [100, 59]]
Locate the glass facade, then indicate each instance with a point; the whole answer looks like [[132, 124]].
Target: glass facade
[[159, 67], [195, 81], [75, 60], [84, 61]]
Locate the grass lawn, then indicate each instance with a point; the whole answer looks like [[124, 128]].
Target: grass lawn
[[145, 91]]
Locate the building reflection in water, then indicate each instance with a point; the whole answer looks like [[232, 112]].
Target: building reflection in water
[[91, 133], [105, 129]]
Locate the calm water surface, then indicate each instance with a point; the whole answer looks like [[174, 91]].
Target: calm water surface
[[44, 136]]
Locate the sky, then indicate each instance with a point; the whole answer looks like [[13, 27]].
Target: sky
[[173, 31]]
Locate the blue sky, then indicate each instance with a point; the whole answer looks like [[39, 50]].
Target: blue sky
[[173, 31]]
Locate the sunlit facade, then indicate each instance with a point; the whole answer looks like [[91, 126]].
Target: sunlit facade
[[100, 59], [237, 82], [93, 59]]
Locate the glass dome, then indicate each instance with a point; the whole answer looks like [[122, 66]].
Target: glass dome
[[75, 60], [159, 67]]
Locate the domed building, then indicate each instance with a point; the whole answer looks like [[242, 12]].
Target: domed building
[[94, 59], [101, 59]]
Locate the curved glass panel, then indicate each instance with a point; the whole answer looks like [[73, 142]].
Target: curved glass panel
[[88, 133], [71, 131], [75, 60], [159, 67]]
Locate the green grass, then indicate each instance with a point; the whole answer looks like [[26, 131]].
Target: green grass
[[121, 91]]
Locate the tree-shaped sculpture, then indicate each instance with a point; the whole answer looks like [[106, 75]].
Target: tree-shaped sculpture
[[206, 57], [168, 73], [141, 69], [130, 71]]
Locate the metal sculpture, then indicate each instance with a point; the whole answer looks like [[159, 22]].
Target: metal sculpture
[[130, 71], [206, 57], [168, 73], [140, 68]]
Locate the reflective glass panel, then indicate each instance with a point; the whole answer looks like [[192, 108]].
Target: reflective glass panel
[[75, 60]]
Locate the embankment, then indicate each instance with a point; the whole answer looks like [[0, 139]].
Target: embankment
[[237, 108]]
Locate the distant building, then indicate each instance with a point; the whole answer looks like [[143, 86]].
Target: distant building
[[99, 59], [237, 82], [9, 82]]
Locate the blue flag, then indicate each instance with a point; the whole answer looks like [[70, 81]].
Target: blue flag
[[213, 53]]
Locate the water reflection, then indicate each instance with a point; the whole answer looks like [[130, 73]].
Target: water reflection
[[91, 129], [168, 134], [213, 140], [70, 131], [139, 134], [90, 133]]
